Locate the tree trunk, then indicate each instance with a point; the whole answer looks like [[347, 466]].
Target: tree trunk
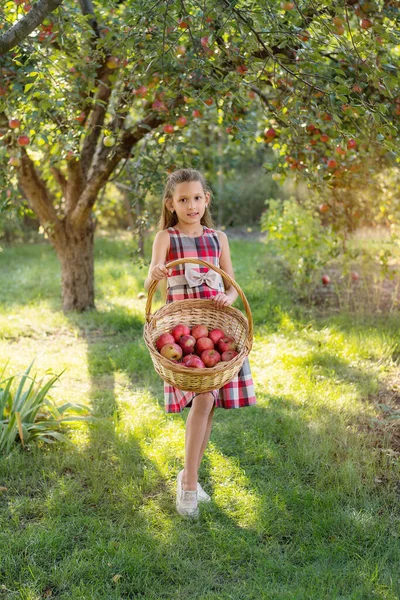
[[77, 267]]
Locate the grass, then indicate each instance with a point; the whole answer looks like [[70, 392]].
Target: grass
[[305, 485]]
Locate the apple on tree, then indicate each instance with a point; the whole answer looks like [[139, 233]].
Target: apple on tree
[[14, 123], [23, 140]]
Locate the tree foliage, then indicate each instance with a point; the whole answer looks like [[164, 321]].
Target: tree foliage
[[316, 82]]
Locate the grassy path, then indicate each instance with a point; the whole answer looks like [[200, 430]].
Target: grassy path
[[305, 489]]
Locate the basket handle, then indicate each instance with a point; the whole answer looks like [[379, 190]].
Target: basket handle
[[198, 261]]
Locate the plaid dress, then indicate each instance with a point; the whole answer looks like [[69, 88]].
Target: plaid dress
[[239, 392]]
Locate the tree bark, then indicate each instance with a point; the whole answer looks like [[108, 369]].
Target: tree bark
[[77, 267], [22, 28]]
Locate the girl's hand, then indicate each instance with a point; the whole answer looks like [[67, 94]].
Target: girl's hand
[[222, 300], [158, 272]]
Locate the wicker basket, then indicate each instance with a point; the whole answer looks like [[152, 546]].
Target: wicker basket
[[192, 312]]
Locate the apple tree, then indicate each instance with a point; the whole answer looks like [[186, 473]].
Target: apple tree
[[83, 94]]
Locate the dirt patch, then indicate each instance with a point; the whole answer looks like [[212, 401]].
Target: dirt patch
[[386, 425]]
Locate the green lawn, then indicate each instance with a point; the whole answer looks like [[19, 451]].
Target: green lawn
[[305, 485]]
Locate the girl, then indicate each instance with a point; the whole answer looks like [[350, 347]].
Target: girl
[[186, 232]]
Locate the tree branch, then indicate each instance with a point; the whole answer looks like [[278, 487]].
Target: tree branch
[[18, 32], [103, 167], [38, 196]]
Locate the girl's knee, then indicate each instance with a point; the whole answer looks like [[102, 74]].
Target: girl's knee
[[204, 402]]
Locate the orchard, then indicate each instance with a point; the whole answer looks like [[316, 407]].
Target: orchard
[[92, 84]]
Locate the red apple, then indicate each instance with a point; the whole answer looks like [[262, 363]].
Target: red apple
[[188, 357], [187, 343], [183, 24], [169, 128], [195, 363], [210, 357], [332, 164], [171, 351], [271, 133], [14, 123], [226, 343], [179, 330], [204, 343], [208, 101], [228, 355], [366, 23], [242, 69], [340, 30], [199, 331], [181, 121], [355, 276], [197, 114], [324, 138], [324, 207], [215, 335], [351, 144], [326, 279], [23, 140], [165, 338]]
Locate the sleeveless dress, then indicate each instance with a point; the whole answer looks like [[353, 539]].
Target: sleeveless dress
[[239, 392]]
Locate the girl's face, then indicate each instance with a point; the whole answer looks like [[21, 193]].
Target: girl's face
[[189, 202]]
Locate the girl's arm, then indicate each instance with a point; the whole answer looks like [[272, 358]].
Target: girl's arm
[[226, 264], [157, 269]]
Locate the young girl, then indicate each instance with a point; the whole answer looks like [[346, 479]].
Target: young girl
[[186, 232]]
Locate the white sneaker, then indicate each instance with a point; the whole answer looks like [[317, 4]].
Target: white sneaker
[[186, 500], [202, 496]]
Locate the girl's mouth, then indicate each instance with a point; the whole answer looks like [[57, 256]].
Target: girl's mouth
[[192, 214]]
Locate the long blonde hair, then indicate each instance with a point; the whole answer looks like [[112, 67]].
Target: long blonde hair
[[169, 219]]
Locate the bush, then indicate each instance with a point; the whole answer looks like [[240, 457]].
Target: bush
[[28, 414], [299, 239]]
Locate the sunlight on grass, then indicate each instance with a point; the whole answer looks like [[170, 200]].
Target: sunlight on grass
[[232, 489]]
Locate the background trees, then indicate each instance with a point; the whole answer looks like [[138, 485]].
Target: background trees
[[88, 93]]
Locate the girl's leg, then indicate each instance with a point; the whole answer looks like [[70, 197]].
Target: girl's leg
[[197, 425], [206, 437]]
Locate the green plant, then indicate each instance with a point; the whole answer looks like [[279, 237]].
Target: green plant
[[28, 413], [304, 245]]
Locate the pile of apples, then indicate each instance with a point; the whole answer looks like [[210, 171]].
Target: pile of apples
[[197, 347]]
